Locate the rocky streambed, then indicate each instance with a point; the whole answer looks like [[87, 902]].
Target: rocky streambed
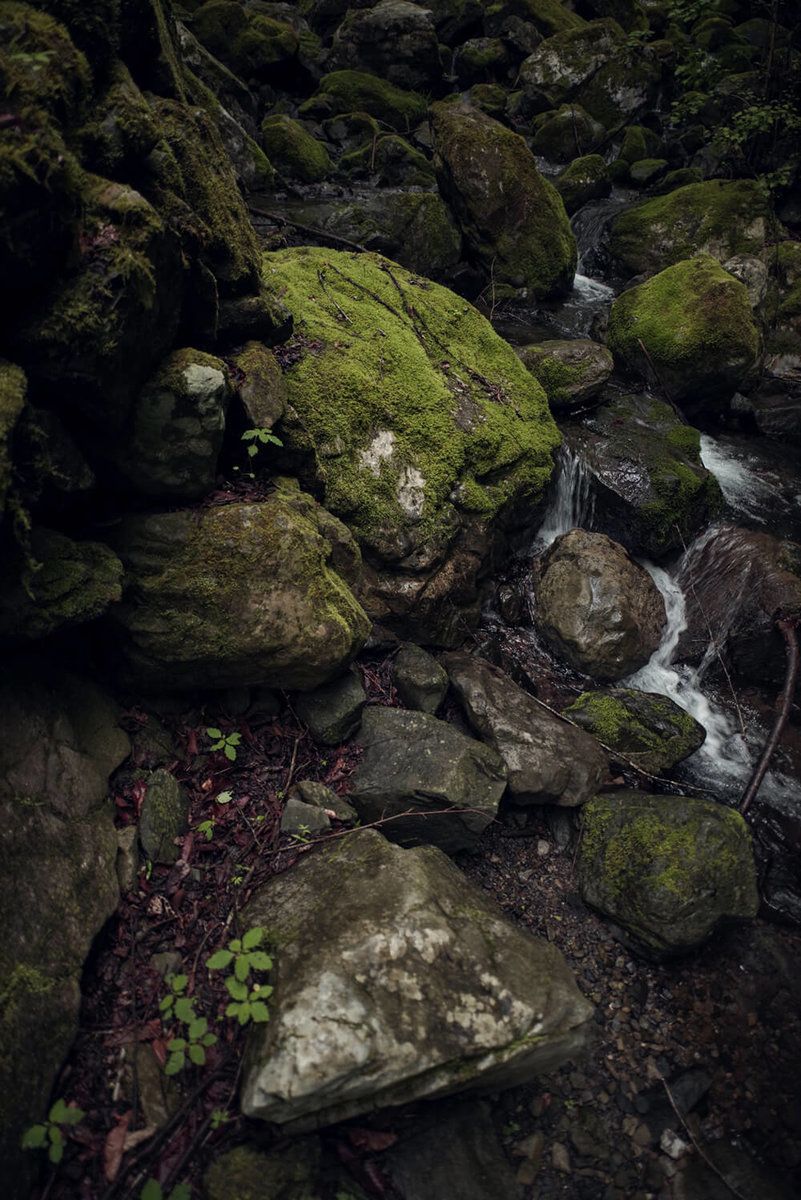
[[370, 765]]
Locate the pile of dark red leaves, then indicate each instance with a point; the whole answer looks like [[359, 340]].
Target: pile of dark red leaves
[[187, 911]]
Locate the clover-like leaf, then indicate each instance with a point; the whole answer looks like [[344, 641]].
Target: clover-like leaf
[[214, 733], [244, 1013], [185, 1009], [197, 1055], [242, 968], [197, 1028], [34, 1137], [219, 959], [260, 961], [259, 1011], [236, 989], [252, 938]]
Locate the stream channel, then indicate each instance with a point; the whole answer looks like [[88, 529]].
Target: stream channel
[[761, 487]]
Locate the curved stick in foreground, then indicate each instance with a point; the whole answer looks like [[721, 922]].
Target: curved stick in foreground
[[787, 628]]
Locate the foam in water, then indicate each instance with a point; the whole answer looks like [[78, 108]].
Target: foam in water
[[744, 490]]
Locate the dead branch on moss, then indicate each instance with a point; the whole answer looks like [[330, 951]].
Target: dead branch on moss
[[319, 234]]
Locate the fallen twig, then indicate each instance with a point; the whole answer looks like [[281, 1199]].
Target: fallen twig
[[787, 629], [698, 1149], [322, 234]]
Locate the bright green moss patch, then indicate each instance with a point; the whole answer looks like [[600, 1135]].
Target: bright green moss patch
[[406, 402], [293, 150], [715, 217], [649, 730], [693, 324]]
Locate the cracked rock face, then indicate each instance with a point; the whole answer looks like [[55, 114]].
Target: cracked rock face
[[395, 979]]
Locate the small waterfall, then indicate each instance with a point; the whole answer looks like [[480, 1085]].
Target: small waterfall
[[746, 493], [572, 504], [723, 763]]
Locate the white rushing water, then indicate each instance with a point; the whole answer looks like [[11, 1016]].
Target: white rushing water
[[724, 763]]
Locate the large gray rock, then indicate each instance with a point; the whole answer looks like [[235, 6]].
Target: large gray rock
[[667, 869], [572, 371], [396, 980], [242, 594], [548, 761], [597, 607], [58, 883], [177, 427], [736, 583], [415, 764]]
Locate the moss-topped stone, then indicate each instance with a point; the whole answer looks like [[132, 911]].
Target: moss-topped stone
[[513, 219], [646, 729], [563, 133], [715, 217], [177, 427], [62, 583], [352, 91], [391, 161], [418, 425], [668, 870], [247, 593], [294, 151], [583, 180], [572, 371], [694, 326], [164, 817], [651, 489]]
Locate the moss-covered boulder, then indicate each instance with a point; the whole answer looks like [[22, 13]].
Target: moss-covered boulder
[[260, 385], [584, 179], [715, 217], [254, 44], [547, 17], [58, 883], [164, 817], [121, 128], [390, 161], [667, 870], [394, 40], [594, 65], [512, 218], [596, 607], [646, 729], [564, 133], [572, 371], [246, 593], [481, 60], [417, 425], [693, 325], [56, 583], [293, 150], [645, 473], [357, 91]]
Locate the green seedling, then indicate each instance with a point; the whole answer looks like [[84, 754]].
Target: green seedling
[[247, 999], [49, 1133], [227, 742]]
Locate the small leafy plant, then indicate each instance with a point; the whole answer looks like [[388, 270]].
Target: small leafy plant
[[49, 1134], [247, 1000], [176, 1004], [192, 1047], [227, 742], [258, 438]]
